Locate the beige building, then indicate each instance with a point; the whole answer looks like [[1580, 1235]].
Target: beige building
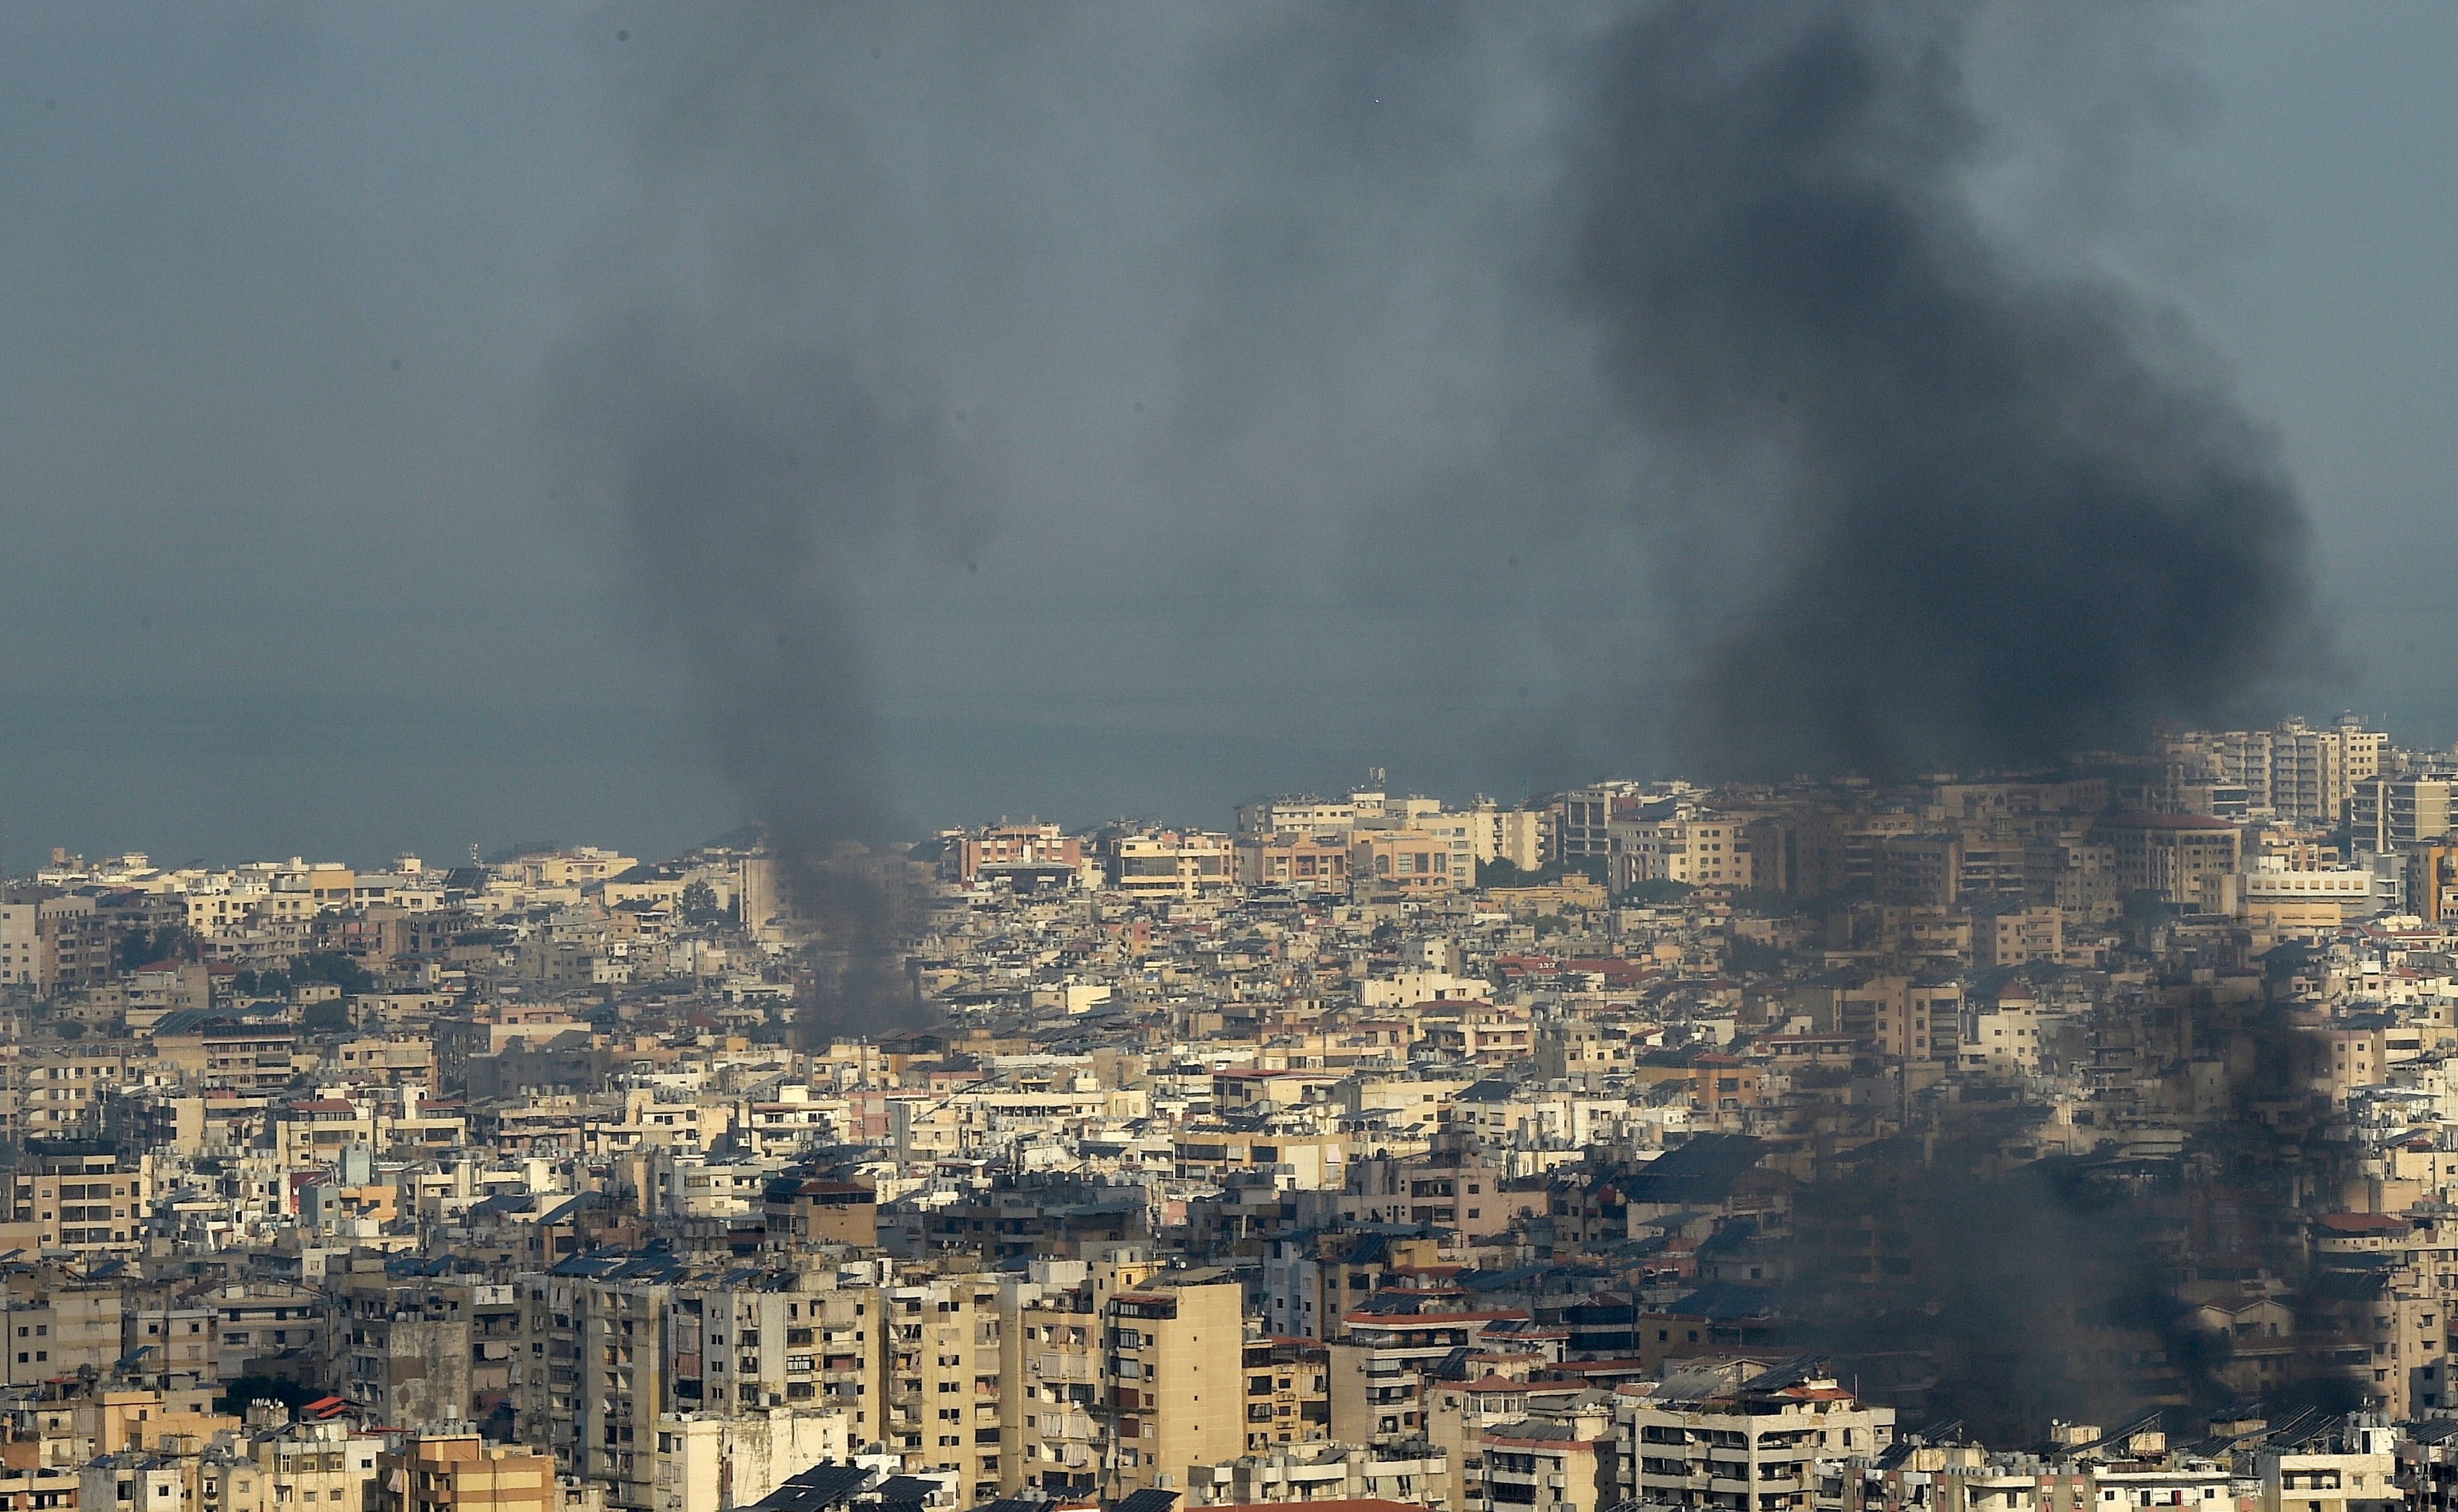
[[1171, 863], [1705, 850], [2002, 1038], [2329, 1483], [1294, 859], [2178, 856], [318, 1464], [1552, 1464], [2013, 935], [1519, 837], [943, 1381], [1706, 1440], [2393, 813], [714, 1464], [59, 1333], [462, 1473], [1176, 1377], [1051, 1371], [2281, 897], [1409, 861], [81, 1197]]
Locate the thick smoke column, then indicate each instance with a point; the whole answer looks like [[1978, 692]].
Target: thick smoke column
[[1992, 525], [760, 438]]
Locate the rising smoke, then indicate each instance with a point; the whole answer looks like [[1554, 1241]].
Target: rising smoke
[[1997, 517], [1666, 344], [761, 434]]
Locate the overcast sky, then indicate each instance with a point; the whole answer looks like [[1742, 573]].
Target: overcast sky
[[292, 564]]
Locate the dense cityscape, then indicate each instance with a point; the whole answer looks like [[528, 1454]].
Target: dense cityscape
[[2019, 1141]]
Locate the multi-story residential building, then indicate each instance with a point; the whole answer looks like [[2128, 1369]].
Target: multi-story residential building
[[941, 1373], [2179, 858], [1380, 1370], [1583, 820], [262, 1320], [1520, 838], [166, 1342], [20, 937], [403, 1345], [2395, 813], [1553, 1464], [1171, 863], [714, 1464], [2013, 935], [1303, 813], [63, 1334], [1305, 860], [314, 1462], [1706, 1440], [1175, 1342], [1697, 850], [1056, 1413], [82, 1197], [1409, 861], [597, 1377], [1023, 854], [1288, 1393], [450, 1472]]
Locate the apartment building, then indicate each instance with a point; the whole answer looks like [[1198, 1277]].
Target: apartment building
[[2013, 935], [82, 1197], [1707, 1440], [1175, 1344], [1023, 854], [705, 1463], [404, 1346], [462, 1473], [1550, 1464], [319, 1463], [1520, 838], [2179, 858], [942, 1383], [1056, 1409], [62, 1334], [1380, 1370], [1171, 863], [1704, 850], [2394, 813], [1296, 859], [1288, 1393], [1410, 861]]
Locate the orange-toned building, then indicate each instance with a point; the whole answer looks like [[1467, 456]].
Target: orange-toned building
[[453, 1472]]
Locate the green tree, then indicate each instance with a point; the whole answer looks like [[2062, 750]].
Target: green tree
[[263, 1388], [330, 965], [326, 1018], [700, 903], [1755, 957], [1656, 890]]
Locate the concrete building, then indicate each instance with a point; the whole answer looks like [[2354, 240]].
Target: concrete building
[[1707, 1440], [462, 1473], [2179, 858], [1175, 1374]]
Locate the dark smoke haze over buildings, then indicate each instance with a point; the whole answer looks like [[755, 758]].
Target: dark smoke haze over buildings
[[1703, 287], [1279, 339], [1699, 290]]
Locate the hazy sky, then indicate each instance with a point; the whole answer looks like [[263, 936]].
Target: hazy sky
[[291, 563]]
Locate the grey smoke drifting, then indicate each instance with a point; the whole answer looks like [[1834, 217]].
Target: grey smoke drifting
[[761, 435], [1999, 515], [1657, 362]]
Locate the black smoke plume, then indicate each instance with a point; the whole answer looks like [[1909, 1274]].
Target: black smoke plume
[[1993, 514], [754, 423]]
